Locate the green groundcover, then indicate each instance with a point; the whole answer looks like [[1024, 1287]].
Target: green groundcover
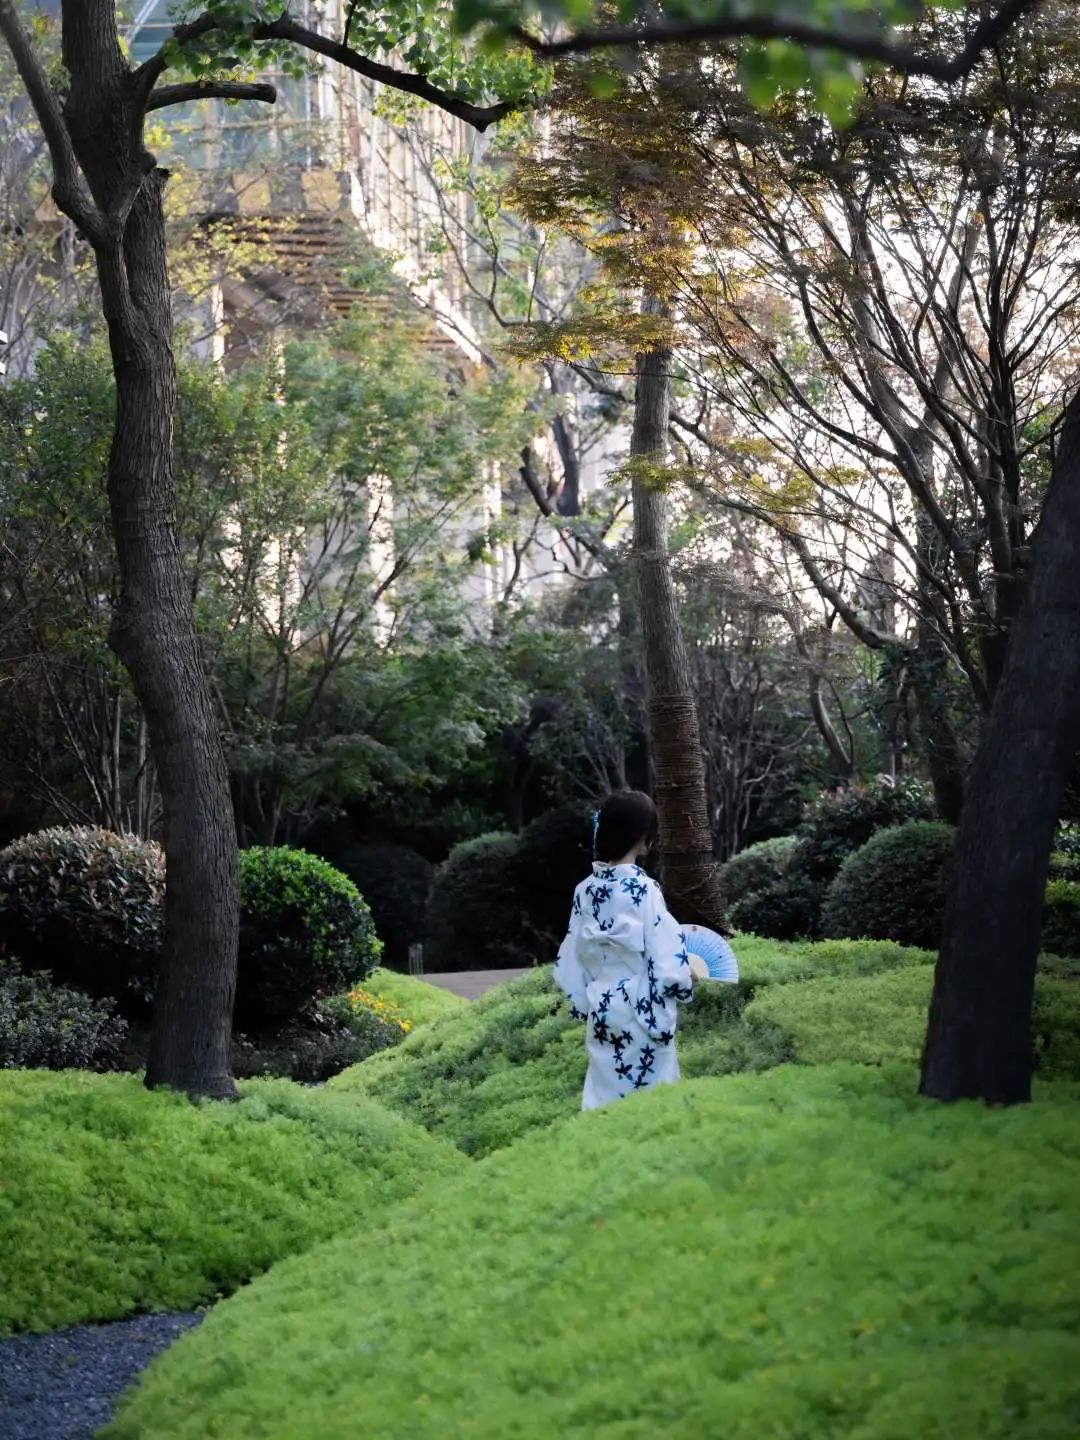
[[802, 1254]]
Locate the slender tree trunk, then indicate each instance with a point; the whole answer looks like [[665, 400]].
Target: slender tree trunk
[[153, 629], [978, 1041], [689, 870]]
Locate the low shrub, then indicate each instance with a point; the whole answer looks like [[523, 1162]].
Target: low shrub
[[116, 1199], [841, 821], [1064, 867], [418, 1001], [325, 1039], [396, 882], [504, 900], [873, 1020], [364, 1007], [555, 854], [1061, 918], [756, 868], [835, 1259], [305, 932], [787, 910], [88, 906], [893, 887], [49, 1026], [477, 919]]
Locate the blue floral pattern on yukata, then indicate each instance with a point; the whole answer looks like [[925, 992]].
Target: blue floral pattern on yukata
[[625, 969]]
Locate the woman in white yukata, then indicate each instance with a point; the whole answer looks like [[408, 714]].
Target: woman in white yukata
[[624, 963]]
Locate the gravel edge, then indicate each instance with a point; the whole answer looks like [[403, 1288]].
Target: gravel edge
[[65, 1385]]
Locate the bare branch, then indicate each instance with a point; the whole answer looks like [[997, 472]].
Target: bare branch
[[905, 59], [209, 90], [68, 189]]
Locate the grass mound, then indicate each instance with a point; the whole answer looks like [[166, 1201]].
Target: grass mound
[[874, 1020], [416, 999], [810, 1252], [115, 1200], [515, 1060]]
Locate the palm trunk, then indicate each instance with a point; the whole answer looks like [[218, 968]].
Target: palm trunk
[[689, 869], [153, 629], [978, 1041]]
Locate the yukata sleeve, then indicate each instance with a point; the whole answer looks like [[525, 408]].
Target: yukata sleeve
[[569, 975], [667, 959]]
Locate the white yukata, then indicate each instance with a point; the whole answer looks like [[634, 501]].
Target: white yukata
[[625, 968]]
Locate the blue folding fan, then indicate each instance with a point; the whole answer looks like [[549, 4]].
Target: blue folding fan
[[717, 955]]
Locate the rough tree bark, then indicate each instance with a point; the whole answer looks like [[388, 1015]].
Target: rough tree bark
[[153, 630], [108, 184], [690, 872], [978, 1040]]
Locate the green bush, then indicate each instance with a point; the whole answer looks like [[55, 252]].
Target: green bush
[[555, 853], [1064, 867], [116, 1199], [841, 821], [326, 1039], [787, 910], [396, 882], [477, 919], [756, 868], [503, 900], [832, 1260], [876, 1019], [88, 906], [893, 887], [50, 1026], [1061, 918], [305, 931], [418, 1001]]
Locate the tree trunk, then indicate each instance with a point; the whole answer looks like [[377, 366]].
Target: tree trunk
[[689, 870], [153, 629], [978, 1041]]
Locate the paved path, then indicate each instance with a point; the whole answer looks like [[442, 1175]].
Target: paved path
[[471, 984]]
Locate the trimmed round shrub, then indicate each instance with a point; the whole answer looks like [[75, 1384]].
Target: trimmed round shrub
[[894, 887], [305, 931], [841, 821], [48, 1026], [756, 868], [1061, 918], [555, 852], [890, 1269], [787, 910], [477, 919], [118, 1200], [87, 905], [396, 882]]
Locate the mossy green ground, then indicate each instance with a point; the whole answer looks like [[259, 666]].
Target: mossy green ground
[[515, 1060], [804, 1254], [115, 1200], [878, 1018]]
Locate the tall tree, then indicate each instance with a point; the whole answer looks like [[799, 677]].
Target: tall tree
[[675, 750], [978, 1044], [108, 183]]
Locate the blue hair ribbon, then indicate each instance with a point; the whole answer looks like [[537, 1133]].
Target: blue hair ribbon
[[595, 830]]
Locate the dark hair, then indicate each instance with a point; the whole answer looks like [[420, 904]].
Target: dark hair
[[626, 817]]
